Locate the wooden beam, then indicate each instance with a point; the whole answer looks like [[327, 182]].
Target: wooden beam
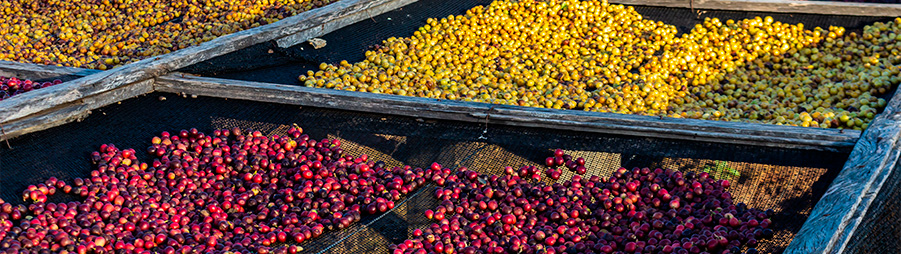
[[351, 17], [633, 125], [687, 129], [753, 129], [316, 97], [73, 111], [745, 133], [840, 211], [40, 71], [785, 6], [36, 101]]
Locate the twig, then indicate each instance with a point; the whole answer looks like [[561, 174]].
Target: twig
[[691, 5], [3, 131], [487, 115]]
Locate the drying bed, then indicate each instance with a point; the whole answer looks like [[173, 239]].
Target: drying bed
[[283, 65], [289, 31], [834, 226], [105, 35], [376, 32], [548, 75], [814, 169], [787, 180]]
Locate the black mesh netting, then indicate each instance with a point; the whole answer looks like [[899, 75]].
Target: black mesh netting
[[789, 181], [266, 62], [879, 232]]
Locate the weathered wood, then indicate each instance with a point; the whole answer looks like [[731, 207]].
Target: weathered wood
[[39, 71], [812, 134], [691, 134], [340, 22], [752, 134], [39, 100], [326, 98], [840, 211], [785, 6], [73, 111], [690, 129], [634, 125]]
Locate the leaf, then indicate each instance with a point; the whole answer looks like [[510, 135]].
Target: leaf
[[722, 170]]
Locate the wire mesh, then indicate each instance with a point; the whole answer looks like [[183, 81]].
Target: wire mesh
[[266, 62], [879, 231], [789, 181], [758, 188], [791, 191]]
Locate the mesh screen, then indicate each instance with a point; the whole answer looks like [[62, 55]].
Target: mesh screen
[[789, 181], [792, 192], [879, 232], [266, 62]]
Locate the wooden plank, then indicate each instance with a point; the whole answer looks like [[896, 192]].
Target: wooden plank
[[40, 71], [43, 99], [668, 122], [690, 129], [317, 97], [338, 23], [675, 133], [73, 111], [840, 211], [574, 120], [785, 6], [634, 125]]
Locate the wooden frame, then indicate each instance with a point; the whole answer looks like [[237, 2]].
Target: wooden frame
[[874, 152], [289, 31], [827, 230], [65, 113], [633, 125], [786, 6], [38, 71], [840, 211]]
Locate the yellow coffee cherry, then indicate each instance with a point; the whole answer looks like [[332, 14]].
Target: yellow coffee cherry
[[66, 32], [603, 57]]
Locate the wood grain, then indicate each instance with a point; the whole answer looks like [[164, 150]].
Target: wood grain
[[376, 8], [840, 211], [73, 111], [817, 134], [43, 99], [634, 125], [828, 229], [40, 71], [785, 6]]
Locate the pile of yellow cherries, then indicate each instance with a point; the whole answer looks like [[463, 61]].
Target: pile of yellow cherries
[[595, 56], [102, 34]]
